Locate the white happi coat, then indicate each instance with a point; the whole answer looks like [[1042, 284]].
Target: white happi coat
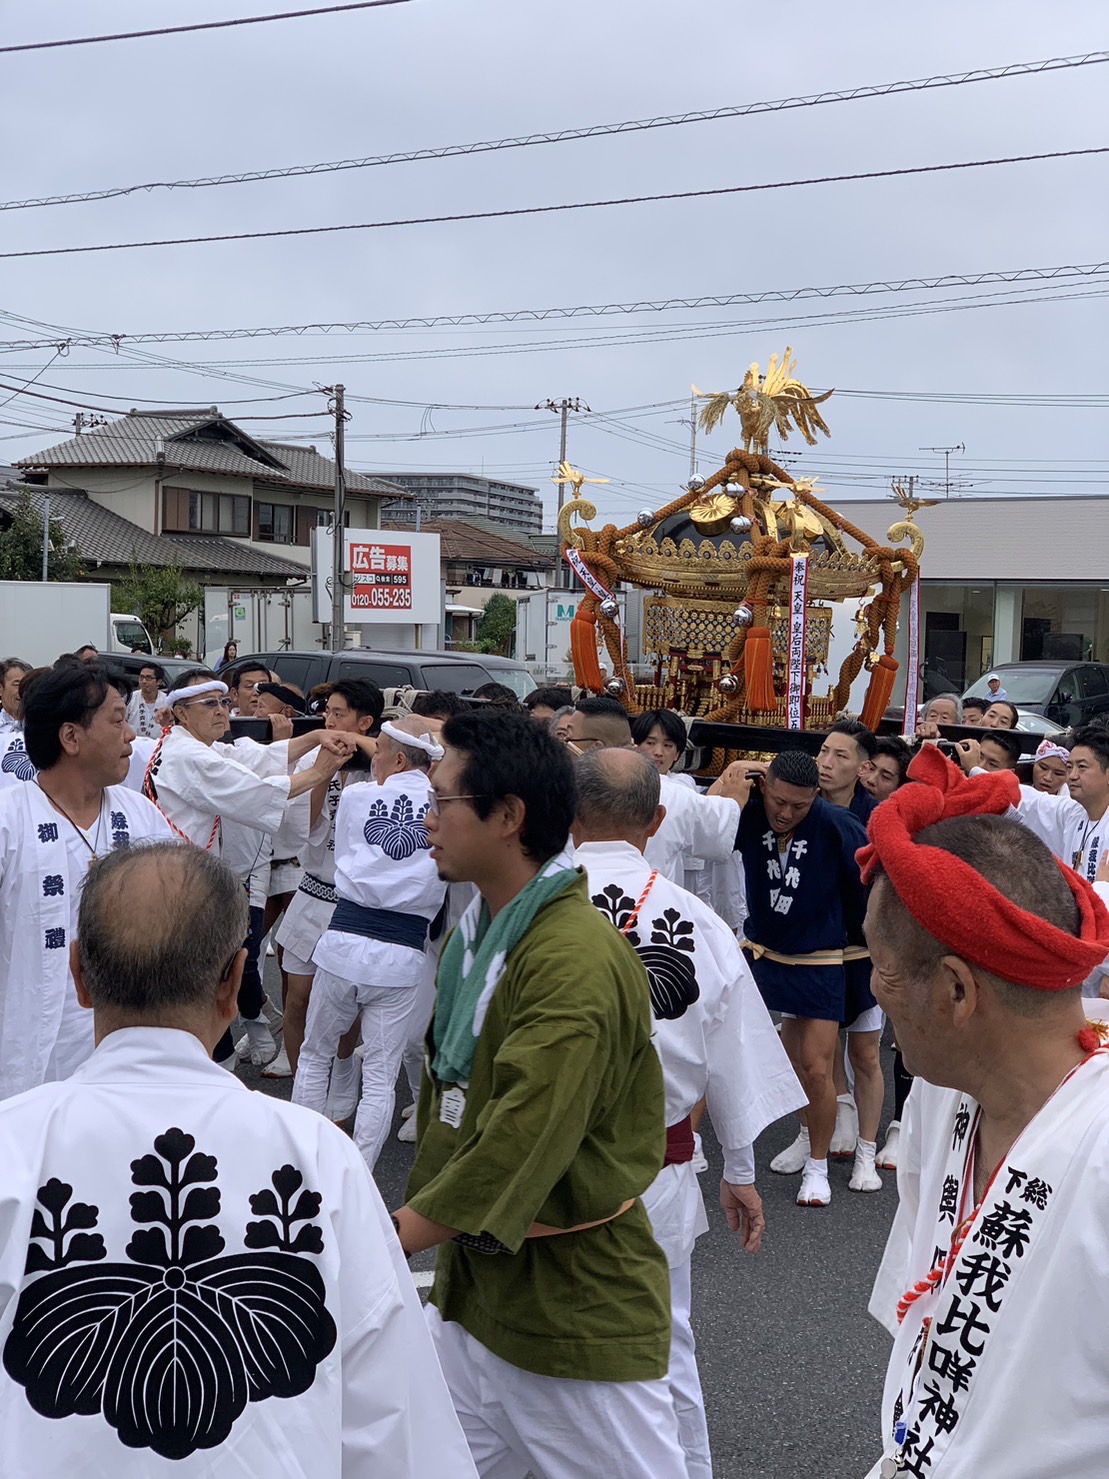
[[382, 861], [8, 725], [197, 1280], [309, 913], [142, 751], [1064, 825], [696, 826], [44, 1032], [1014, 1377], [199, 785], [713, 1034], [140, 714]]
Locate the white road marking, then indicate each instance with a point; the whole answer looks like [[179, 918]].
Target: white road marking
[[423, 1278]]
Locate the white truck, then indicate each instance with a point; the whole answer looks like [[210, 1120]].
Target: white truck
[[41, 619]]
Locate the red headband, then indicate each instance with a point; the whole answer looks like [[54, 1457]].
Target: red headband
[[955, 904]]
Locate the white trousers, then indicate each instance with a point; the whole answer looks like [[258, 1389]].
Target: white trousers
[[518, 1423], [386, 1013], [422, 1009], [684, 1378]]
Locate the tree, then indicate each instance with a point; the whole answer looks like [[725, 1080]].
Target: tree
[[21, 547], [160, 597], [496, 630]]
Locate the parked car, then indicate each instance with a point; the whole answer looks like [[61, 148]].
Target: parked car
[[133, 663], [456, 672], [1069, 693]]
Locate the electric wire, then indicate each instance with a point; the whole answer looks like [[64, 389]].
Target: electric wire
[[246, 20], [507, 212], [1062, 272], [669, 334], [591, 131]]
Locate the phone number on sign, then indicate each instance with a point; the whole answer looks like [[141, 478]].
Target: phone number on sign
[[381, 598]]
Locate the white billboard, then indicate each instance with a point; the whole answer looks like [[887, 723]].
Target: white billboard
[[389, 576]]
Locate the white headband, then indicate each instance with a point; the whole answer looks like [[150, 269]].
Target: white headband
[[197, 690], [1048, 750], [413, 741]]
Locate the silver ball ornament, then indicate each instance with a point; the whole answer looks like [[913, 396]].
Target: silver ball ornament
[[729, 683], [741, 524], [743, 616], [696, 483], [615, 686], [610, 609], [734, 490], [645, 518]]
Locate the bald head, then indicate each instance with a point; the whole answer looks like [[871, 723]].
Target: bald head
[[417, 726], [618, 797], [156, 931]]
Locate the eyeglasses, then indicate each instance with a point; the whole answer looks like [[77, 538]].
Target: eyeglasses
[[576, 744], [434, 802], [207, 703]]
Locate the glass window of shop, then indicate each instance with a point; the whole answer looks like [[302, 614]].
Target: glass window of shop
[[1069, 623], [958, 634]]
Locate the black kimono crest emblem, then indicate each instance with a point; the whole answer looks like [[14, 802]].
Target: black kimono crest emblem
[[18, 763], [671, 973], [171, 1346], [399, 832]]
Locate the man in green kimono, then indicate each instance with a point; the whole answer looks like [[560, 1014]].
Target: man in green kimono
[[541, 1121]]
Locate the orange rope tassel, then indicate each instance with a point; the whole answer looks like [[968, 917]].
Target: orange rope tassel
[[879, 692], [758, 668], [583, 650]]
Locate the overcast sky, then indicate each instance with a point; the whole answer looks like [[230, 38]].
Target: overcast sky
[[431, 73]]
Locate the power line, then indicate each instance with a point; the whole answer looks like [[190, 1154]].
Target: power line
[[256, 400], [246, 20], [1061, 273], [560, 136], [22, 389], [546, 210], [38, 395], [636, 336]]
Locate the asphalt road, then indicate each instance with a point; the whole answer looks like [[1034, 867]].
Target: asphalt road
[[791, 1363]]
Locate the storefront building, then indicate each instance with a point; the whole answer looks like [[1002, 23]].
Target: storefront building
[[1003, 580]]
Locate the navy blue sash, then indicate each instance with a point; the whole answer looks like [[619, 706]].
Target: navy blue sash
[[388, 925]]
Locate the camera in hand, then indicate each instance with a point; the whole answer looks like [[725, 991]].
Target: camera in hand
[[948, 748]]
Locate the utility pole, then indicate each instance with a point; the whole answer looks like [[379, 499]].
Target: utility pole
[[338, 613], [45, 534], [691, 422], [562, 408], [947, 451]]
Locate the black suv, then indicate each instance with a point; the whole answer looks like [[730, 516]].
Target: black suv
[[1069, 693], [454, 672]]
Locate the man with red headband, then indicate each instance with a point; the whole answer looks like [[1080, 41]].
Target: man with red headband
[[991, 1276]]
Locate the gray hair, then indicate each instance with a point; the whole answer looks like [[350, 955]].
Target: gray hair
[[948, 698], [417, 759], [618, 791], [557, 717], [158, 927]]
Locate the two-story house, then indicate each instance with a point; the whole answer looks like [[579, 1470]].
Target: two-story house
[[192, 489]]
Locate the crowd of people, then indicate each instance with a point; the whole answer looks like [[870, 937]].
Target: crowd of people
[[569, 953]]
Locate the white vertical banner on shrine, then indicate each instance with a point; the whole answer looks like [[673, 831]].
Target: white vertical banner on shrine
[[912, 664], [795, 694]]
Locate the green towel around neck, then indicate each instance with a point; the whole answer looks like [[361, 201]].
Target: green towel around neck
[[473, 962]]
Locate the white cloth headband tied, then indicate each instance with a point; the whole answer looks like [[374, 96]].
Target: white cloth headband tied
[[414, 741], [1049, 750], [197, 690]]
